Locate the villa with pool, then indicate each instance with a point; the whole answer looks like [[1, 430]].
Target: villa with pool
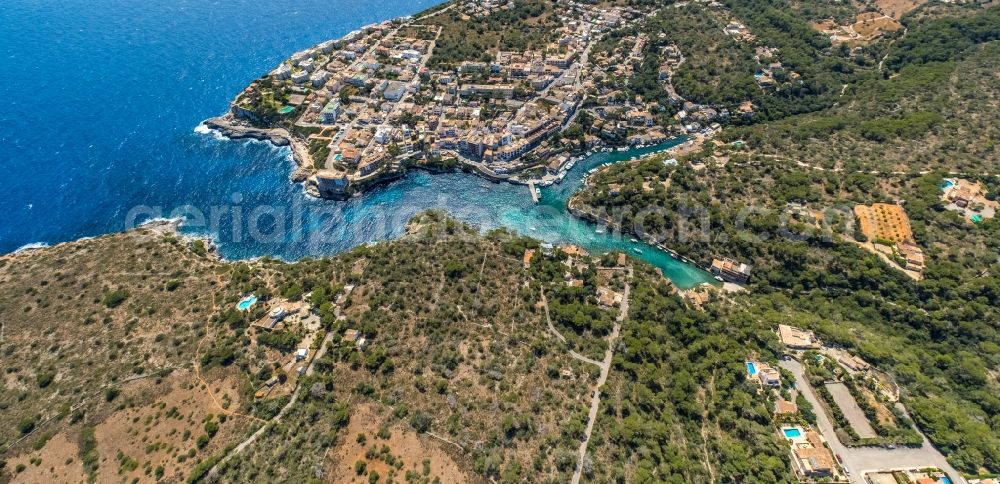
[[811, 458]]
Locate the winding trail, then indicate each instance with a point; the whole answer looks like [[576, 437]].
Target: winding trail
[[212, 474], [595, 401], [554, 331]]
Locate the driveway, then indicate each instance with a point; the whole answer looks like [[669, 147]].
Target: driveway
[[859, 460]]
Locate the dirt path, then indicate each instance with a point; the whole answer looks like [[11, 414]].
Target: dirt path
[[208, 388], [212, 474], [554, 331], [704, 431], [595, 401]]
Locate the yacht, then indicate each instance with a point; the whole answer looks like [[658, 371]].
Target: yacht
[[636, 249]]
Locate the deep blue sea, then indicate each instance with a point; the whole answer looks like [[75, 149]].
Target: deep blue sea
[[100, 103]]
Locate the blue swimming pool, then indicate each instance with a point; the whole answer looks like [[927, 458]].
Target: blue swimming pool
[[946, 184], [792, 433], [944, 480], [246, 302], [751, 369]]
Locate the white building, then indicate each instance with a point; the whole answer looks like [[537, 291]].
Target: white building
[[394, 90], [383, 135], [282, 72], [319, 78]]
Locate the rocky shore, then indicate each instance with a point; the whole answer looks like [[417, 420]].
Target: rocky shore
[[232, 128]]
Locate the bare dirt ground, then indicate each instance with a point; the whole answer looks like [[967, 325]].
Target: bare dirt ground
[[404, 445], [59, 462], [153, 434], [871, 23], [885, 417], [149, 432], [897, 8]]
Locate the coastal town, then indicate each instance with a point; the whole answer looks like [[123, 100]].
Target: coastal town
[[613, 241], [361, 109]]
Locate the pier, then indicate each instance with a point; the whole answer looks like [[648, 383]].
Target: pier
[[533, 190]]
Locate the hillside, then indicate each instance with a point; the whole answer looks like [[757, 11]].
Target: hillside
[[778, 195], [460, 379]]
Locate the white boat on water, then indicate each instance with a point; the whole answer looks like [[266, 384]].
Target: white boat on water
[[599, 231], [622, 148], [633, 241], [636, 249]]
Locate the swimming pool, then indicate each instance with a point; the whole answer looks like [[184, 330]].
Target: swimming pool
[[751, 369], [246, 302], [976, 218], [944, 480], [946, 184], [792, 432]]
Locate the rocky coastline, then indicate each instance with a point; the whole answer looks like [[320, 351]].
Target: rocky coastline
[[230, 127], [156, 228]]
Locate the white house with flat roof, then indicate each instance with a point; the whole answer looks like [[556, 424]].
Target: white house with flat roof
[[319, 78], [282, 72], [300, 77], [394, 90], [330, 112]]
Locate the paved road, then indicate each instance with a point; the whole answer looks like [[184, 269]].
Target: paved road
[[595, 401], [863, 459]]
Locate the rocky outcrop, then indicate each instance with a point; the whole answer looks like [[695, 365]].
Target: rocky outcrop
[[231, 127]]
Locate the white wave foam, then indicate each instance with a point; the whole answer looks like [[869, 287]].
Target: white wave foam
[[203, 129], [31, 246], [159, 220]]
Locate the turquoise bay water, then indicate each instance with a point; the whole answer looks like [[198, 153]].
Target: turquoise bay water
[[103, 98]]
